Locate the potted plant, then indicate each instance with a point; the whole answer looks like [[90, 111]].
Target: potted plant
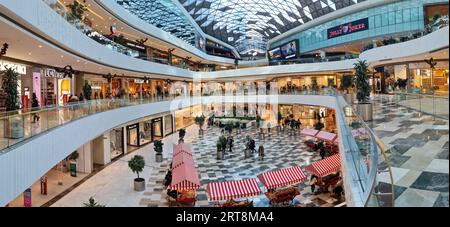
[[364, 107], [92, 203], [200, 120], [229, 127], [237, 125], [158, 147], [158, 90], [87, 90], [76, 14], [73, 163], [181, 135], [137, 164], [13, 125], [221, 146], [346, 83]]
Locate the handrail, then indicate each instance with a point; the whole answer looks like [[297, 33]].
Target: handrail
[[82, 109], [384, 149]]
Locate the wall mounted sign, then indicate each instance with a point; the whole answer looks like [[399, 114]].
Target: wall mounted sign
[[48, 72], [348, 28], [21, 69]]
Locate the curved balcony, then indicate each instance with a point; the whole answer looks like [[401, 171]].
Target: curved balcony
[[62, 130]]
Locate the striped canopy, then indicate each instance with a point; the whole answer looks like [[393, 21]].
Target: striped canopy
[[326, 136], [232, 189], [185, 177], [182, 158], [309, 132], [282, 177], [326, 166], [181, 148]]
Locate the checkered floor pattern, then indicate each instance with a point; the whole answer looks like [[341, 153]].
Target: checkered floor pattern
[[281, 151], [418, 152]]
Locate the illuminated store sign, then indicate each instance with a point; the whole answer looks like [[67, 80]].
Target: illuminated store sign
[[21, 69], [52, 73], [348, 28]]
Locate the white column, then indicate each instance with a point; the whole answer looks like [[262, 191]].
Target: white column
[[84, 162], [102, 149], [125, 146]]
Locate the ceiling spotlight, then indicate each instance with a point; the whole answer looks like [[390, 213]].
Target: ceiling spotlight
[[40, 46]]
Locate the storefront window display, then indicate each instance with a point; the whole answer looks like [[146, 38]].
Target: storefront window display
[[133, 136], [168, 126], [116, 136], [145, 132], [185, 117], [157, 128]]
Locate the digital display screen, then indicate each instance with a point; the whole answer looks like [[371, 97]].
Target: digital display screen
[[289, 50], [274, 53]]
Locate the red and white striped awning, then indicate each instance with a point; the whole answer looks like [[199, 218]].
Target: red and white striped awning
[[326, 136], [309, 132], [184, 177], [181, 148], [281, 177], [232, 189], [182, 159], [325, 166]]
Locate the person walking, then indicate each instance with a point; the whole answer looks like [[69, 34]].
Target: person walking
[[312, 183], [261, 152], [35, 104]]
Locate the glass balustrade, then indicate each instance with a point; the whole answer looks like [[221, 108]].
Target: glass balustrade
[[93, 34], [435, 104]]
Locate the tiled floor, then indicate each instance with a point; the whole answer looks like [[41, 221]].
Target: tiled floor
[[418, 152], [113, 185]]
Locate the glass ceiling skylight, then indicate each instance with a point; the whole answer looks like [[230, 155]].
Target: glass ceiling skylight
[[248, 24], [163, 14]]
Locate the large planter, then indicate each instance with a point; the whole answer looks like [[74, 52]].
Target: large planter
[[219, 155], [348, 98], [159, 157], [247, 153], [365, 111], [13, 127], [139, 184], [73, 168]]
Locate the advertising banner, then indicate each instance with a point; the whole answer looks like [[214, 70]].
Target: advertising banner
[[348, 28], [200, 42]]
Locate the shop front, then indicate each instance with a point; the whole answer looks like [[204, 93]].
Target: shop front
[[117, 148], [185, 117], [148, 130]]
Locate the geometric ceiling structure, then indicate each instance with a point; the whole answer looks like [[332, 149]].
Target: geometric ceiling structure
[[249, 24], [163, 14]]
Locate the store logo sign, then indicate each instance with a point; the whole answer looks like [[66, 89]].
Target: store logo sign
[[52, 73], [352, 27], [21, 69]]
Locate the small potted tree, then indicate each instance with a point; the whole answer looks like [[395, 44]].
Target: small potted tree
[[229, 127], [87, 90], [137, 164], [158, 147], [200, 120], [76, 14], [92, 203], [158, 90], [221, 145], [364, 107], [181, 135], [13, 126], [73, 163], [346, 83]]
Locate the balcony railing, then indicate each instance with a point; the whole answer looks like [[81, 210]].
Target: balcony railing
[[435, 104], [359, 142]]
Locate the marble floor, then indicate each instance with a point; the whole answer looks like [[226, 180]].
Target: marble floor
[[113, 186], [418, 152]]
